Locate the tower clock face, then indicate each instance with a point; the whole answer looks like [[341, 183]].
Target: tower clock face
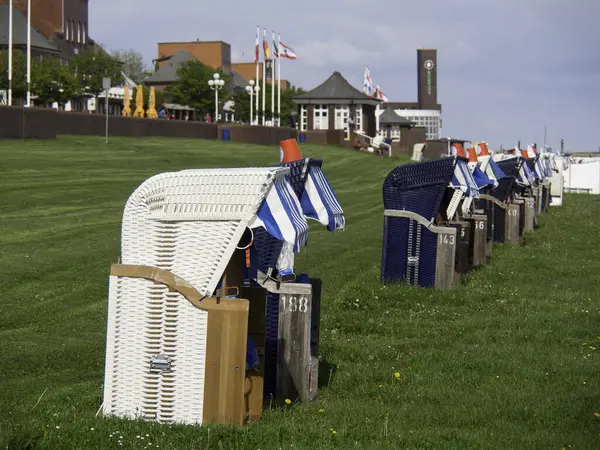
[[429, 64]]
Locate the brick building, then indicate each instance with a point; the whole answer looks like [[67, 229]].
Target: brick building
[[215, 54], [62, 23], [40, 45]]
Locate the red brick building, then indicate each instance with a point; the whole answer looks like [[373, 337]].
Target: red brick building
[[64, 23]]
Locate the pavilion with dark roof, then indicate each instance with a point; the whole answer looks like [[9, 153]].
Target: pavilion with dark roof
[[335, 105]]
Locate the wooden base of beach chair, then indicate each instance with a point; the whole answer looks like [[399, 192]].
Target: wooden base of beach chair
[[479, 229], [508, 226], [297, 338], [447, 244], [530, 214], [220, 367], [546, 196], [445, 275], [538, 199], [487, 210], [513, 224], [463, 256]]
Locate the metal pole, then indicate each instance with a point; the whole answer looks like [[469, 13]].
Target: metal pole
[[251, 104], [10, 50], [273, 66], [216, 104], [28, 53], [106, 108], [279, 81]]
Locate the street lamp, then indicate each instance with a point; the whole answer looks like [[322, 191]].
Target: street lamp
[[216, 84], [253, 89]]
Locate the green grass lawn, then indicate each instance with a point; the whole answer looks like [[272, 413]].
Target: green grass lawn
[[506, 361]]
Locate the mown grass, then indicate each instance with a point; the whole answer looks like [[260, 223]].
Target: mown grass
[[508, 360]]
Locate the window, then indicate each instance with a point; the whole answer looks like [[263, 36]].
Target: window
[[303, 118], [321, 117], [395, 134], [79, 32], [358, 119], [67, 30], [84, 33], [341, 117]]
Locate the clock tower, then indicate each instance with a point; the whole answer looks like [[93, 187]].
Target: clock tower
[[427, 78]]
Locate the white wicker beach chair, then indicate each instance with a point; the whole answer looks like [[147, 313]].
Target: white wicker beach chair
[[179, 233]]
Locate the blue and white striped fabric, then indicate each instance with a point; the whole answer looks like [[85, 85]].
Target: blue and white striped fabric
[[525, 177], [320, 203], [463, 180], [538, 171], [481, 179], [497, 171], [540, 168], [281, 215]]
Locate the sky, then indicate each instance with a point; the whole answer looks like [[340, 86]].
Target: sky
[[507, 70]]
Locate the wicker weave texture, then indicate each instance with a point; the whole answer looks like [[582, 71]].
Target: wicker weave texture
[[189, 223]]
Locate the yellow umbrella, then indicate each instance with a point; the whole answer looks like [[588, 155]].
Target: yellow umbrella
[[126, 102], [151, 113], [139, 102]]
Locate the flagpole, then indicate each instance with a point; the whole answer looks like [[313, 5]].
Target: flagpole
[[264, 88], [28, 53], [257, 57], [10, 50], [273, 84], [278, 79]]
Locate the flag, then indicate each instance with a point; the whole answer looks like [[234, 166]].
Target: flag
[[275, 49], [286, 52], [381, 96], [368, 87], [266, 47], [256, 56]]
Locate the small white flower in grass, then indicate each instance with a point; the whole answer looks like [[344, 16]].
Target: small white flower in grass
[[57, 427], [91, 429]]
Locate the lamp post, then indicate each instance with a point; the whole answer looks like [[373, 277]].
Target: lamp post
[[250, 90], [256, 93], [216, 84]]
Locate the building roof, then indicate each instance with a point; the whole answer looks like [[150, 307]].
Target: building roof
[[336, 89], [197, 41], [168, 71], [38, 40], [390, 117]]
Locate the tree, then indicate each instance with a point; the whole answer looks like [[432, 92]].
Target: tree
[[192, 89], [53, 81], [91, 66], [133, 64], [19, 80], [242, 104]]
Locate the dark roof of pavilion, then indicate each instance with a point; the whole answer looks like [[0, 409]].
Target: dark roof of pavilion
[[335, 89]]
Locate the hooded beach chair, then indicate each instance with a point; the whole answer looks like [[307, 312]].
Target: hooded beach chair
[[464, 187], [271, 265], [176, 343], [481, 233], [508, 226], [555, 179], [418, 198], [484, 205]]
